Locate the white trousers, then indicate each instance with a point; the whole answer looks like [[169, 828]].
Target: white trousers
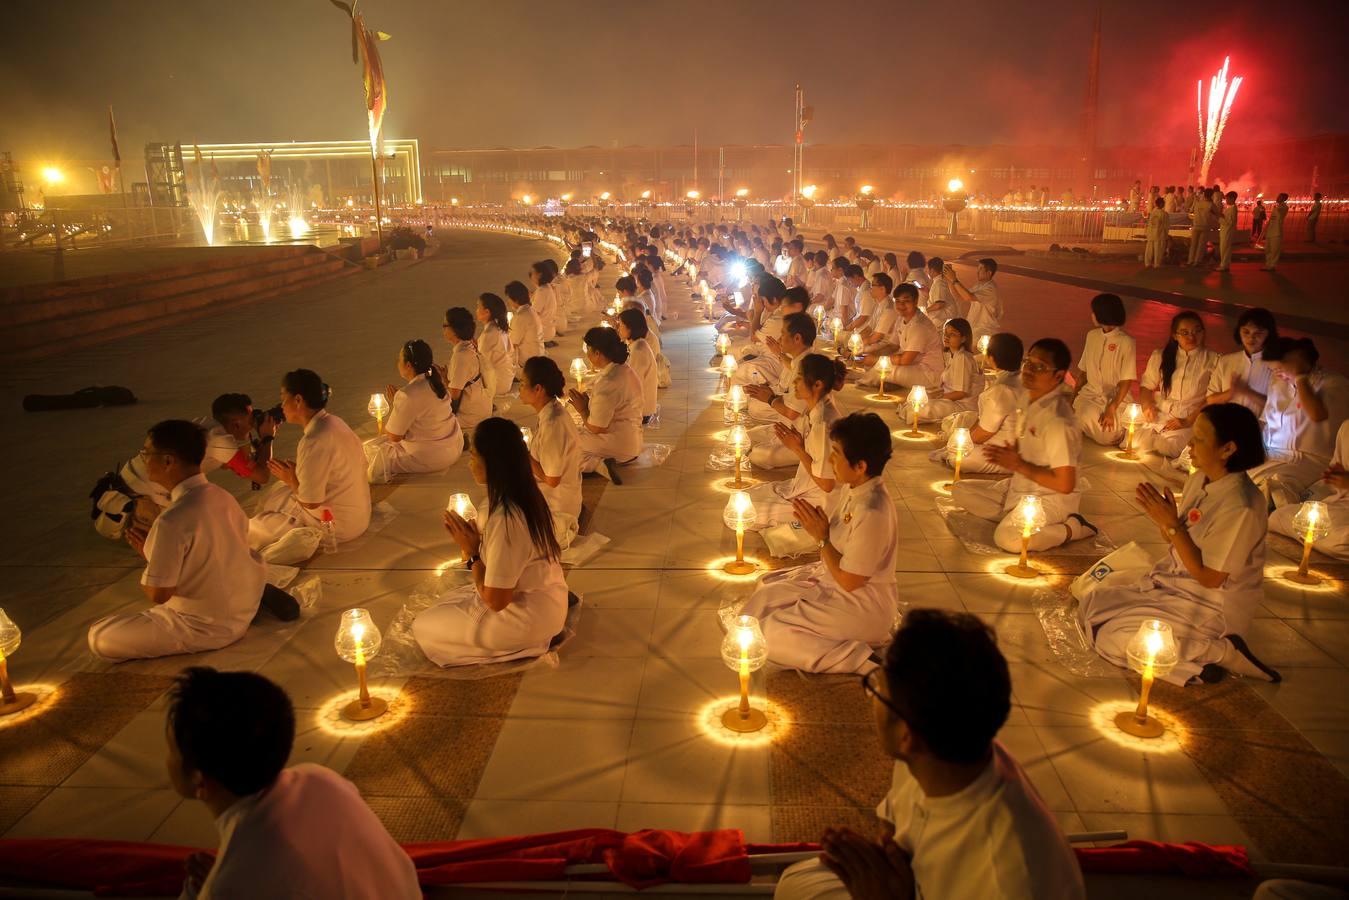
[[810, 880], [1169, 444], [386, 459], [596, 448], [1335, 544], [1087, 408], [939, 409], [158, 631], [461, 630], [766, 451], [1154, 252], [1225, 251], [1273, 249], [902, 377], [1285, 481], [1197, 241], [280, 513], [974, 462], [985, 499]]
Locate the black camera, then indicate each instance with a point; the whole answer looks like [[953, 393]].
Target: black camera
[[262, 415]]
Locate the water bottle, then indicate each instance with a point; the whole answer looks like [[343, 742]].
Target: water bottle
[[329, 529]]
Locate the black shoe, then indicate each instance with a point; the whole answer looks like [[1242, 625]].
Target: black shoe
[[1212, 673], [279, 603], [550, 343], [1085, 524], [1240, 643], [572, 600], [611, 466]]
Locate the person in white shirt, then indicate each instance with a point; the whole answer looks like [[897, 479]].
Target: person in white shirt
[[1203, 211], [962, 819], [818, 282], [1106, 372], [1302, 414], [1157, 234], [517, 601], [422, 433], [962, 379], [544, 299], [1174, 387], [1210, 583], [979, 303], [829, 616], [525, 331], [285, 833], [611, 407], [632, 329], [1243, 376], [794, 274], [555, 451], [1333, 491], [467, 373], [203, 581], [779, 404], [326, 480], [494, 345], [807, 440], [878, 321], [1227, 232], [993, 424], [938, 301], [1043, 460], [1274, 233], [914, 346]]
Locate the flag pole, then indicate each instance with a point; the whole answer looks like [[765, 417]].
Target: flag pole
[[374, 187]]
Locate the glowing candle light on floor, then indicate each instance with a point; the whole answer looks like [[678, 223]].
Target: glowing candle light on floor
[[723, 343], [10, 638], [1151, 653], [1030, 515], [1132, 413], [817, 313], [1313, 523], [358, 640], [855, 344], [744, 650], [959, 444], [578, 371], [738, 443], [983, 345], [378, 407], [527, 434], [728, 366], [917, 402], [837, 326], [739, 515], [883, 369], [736, 402]]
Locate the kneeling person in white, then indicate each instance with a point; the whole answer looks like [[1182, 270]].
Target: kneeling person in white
[[914, 346], [632, 329], [517, 602], [962, 379], [962, 819], [611, 407], [285, 833], [1335, 494], [829, 616], [993, 424], [1175, 387], [328, 473], [202, 579], [807, 439], [780, 405], [1107, 371], [1043, 461], [555, 452], [422, 434], [468, 377]]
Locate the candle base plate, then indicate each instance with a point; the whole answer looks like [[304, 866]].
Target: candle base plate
[[1019, 571], [20, 702], [1128, 723], [1298, 578], [739, 567], [356, 711], [755, 720]]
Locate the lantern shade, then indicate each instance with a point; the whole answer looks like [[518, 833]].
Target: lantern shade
[[739, 512], [1153, 642], [737, 438], [462, 505], [1133, 413], [10, 635], [883, 366], [744, 644], [378, 405], [723, 343], [358, 638], [729, 365], [736, 401], [526, 434], [855, 344], [578, 367], [1312, 519], [983, 344], [960, 441], [1030, 513], [917, 397]]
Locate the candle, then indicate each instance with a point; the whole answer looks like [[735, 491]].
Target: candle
[[917, 400], [883, 369], [1132, 413], [855, 345], [1313, 523], [578, 371], [959, 445], [377, 407]]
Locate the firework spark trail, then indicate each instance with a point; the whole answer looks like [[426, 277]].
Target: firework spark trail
[[1220, 97]]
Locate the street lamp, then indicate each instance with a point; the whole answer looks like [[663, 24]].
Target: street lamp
[[864, 203], [806, 201], [740, 202], [954, 201]]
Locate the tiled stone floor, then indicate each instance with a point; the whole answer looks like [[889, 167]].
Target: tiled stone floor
[[616, 714]]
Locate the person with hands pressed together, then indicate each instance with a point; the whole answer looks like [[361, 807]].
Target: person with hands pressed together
[[517, 601], [422, 434], [611, 407], [993, 423], [961, 819], [1210, 583], [1106, 374], [1043, 460], [780, 405], [1175, 386], [914, 346], [829, 616], [1335, 494], [555, 452]]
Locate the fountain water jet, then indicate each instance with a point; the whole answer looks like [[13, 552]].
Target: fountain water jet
[[204, 197]]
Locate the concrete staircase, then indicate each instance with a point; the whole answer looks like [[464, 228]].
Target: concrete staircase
[[36, 320]]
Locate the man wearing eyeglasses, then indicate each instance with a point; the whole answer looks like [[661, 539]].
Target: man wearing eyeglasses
[[962, 819], [1043, 460]]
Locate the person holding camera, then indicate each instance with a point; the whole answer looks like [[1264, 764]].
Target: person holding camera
[[422, 434], [328, 475], [200, 576]]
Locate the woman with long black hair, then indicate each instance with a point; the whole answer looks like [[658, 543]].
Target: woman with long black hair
[[555, 452], [517, 602], [422, 434], [494, 344], [611, 408], [1175, 386]]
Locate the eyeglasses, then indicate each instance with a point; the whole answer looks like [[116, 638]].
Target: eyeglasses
[[871, 690], [1190, 333], [146, 454], [1035, 368]]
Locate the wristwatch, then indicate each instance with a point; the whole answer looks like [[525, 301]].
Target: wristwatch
[[822, 544], [468, 563], [1172, 530]]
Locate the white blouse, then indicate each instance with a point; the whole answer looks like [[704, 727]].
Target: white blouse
[[1289, 431], [643, 362], [1189, 383], [864, 529], [419, 415], [558, 451], [526, 334], [616, 404], [495, 347], [814, 426], [1107, 359], [997, 408], [465, 374], [962, 373]]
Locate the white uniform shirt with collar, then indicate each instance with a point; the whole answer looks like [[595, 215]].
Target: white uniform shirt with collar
[[1049, 437], [199, 546], [921, 335], [221, 447], [1107, 359], [495, 347], [526, 334], [419, 415], [941, 300], [1227, 519], [1251, 369], [844, 294], [309, 836], [864, 529], [796, 272], [544, 301], [883, 317], [998, 403], [1289, 431], [814, 426], [616, 404], [985, 316], [994, 839], [643, 362], [962, 373], [820, 286], [331, 466], [465, 373], [513, 562], [1189, 383], [558, 451]]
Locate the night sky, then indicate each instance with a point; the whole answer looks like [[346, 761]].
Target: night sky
[[506, 73]]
